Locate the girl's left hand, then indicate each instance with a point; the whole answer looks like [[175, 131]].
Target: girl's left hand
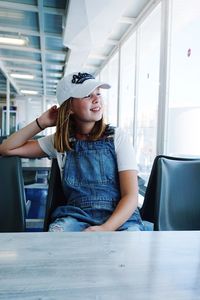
[[49, 117], [95, 228]]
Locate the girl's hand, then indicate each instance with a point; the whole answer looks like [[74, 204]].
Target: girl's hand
[[49, 117], [95, 228]]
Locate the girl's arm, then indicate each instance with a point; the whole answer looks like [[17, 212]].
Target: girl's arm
[[20, 143], [127, 204]]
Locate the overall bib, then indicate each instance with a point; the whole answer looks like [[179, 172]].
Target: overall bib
[[91, 185]]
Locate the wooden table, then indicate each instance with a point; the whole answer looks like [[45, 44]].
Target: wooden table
[[118, 265]]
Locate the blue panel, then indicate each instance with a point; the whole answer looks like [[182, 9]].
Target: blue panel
[[37, 196]]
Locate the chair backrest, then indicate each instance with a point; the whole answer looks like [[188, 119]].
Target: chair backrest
[[55, 195], [172, 199], [12, 195]]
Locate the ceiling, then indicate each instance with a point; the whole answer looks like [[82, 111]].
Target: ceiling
[[60, 36], [41, 23]]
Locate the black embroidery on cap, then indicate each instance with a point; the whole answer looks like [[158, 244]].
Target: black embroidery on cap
[[81, 77]]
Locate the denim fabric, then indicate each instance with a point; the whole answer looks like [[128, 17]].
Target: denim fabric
[[91, 185], [148, 226], [90, 175], [69, 224]]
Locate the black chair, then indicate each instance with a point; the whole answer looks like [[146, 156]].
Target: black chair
[[172, 198], [12, 195], [141, 186], [55, 195], [30, 177]]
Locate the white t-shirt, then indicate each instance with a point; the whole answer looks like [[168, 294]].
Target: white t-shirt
[[125, 153]]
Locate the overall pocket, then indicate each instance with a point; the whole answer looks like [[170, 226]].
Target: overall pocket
[[89, 168]]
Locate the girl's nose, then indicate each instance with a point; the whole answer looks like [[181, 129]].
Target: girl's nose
[[95, 98]]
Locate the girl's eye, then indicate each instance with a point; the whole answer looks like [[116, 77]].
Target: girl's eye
[[90, 96]]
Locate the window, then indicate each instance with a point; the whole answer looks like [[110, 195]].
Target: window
[[147, 90], [110, 75], [184, 89], [127, 85]]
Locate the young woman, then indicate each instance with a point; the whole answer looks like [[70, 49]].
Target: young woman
[[97, 162]]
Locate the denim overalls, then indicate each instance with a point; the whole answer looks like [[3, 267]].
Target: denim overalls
[[91, 185]]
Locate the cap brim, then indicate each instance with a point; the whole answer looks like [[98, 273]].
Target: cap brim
[[89, 87], [79, 90]]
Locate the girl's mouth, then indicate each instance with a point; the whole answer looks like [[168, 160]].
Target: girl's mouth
[[95, 109]]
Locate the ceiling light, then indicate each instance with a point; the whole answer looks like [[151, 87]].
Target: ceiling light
[[28, 92], [14, 15], [13, 41], [22, 76]]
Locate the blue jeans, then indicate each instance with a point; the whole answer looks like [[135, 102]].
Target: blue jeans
[[70, 224]]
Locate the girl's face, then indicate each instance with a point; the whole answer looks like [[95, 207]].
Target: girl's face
[[89, 108]]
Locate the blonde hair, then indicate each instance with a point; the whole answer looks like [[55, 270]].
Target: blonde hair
[[66, 128]]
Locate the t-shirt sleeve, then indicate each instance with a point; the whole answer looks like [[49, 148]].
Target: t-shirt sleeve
[[126, 158], [47, 145]]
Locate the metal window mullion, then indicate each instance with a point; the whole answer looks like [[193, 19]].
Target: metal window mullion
[[162, 118], [7, 107]]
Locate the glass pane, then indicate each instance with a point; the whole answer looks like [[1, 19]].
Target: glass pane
[[110, 74], [127, 85], [148, 88], [13, 122], [184, 92]]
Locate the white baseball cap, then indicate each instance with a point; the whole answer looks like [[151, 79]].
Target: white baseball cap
[[77, 85]]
